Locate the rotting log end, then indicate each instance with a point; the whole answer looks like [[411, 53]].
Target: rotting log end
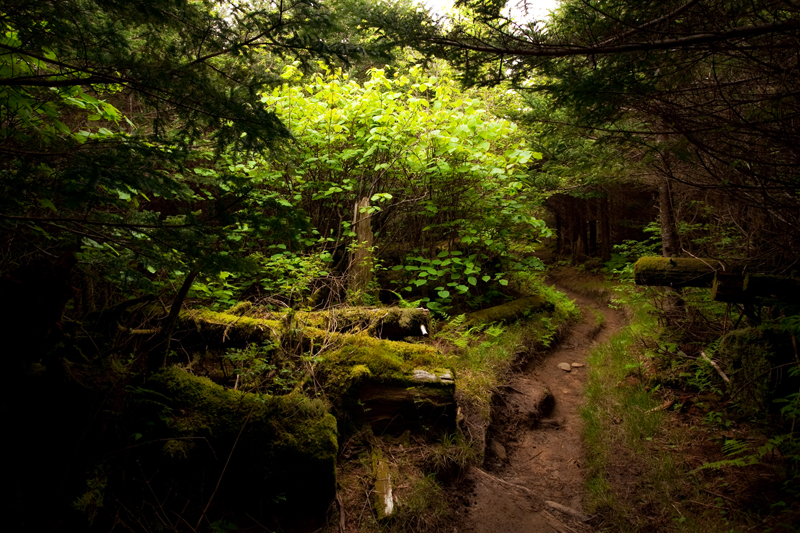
[[676, 272]]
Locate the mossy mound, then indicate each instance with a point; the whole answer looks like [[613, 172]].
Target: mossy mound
[[281, 448], [756, 361], [512, 310]]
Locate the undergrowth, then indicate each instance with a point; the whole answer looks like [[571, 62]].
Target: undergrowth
[[663, 451]]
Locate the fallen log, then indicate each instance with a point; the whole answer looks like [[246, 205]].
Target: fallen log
[[755, 288], [391, 385], [392, 323], [677, 272], [510, 311], [726, 286], [777, 288]]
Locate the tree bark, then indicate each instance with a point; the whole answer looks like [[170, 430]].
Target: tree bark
[[605, 230], [360, 274], [158, 351], [670, 244]]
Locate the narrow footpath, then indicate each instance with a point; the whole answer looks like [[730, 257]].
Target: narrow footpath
[[532, 480]]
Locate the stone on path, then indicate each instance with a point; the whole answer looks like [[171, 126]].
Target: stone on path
[[565, 367], [577, 365], [498, 449]]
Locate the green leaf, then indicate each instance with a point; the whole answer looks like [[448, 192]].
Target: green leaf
[[472, 280], [48, 204], [443, 294]]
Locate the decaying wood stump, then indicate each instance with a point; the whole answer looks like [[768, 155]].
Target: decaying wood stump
[[383, 501]]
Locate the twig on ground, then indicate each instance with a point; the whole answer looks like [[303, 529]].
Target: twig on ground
[[557, 524], [567, 510], [663, 407], [718, 495], [716, 367], [342, 520], [503, 482]]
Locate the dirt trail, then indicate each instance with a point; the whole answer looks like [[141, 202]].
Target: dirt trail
[[543, 449]]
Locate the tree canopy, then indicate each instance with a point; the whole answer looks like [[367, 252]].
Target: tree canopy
[[703, 92]]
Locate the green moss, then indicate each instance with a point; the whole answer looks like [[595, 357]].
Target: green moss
[[228, 329], [286, 444], [241, 308], [512, 310], [383, 322], [381, 361]]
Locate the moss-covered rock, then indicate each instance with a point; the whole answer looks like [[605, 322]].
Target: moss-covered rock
[[755, 360], [281, 448], [511, 311]]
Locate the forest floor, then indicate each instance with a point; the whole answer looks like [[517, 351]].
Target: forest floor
[[533, 480]]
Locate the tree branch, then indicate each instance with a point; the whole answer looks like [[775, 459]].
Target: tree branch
[[665, 44]]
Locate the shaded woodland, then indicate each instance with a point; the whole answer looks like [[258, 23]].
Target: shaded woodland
[[239, 240]]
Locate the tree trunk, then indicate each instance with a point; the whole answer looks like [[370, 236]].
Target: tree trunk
[[605, 230], [360, 272], [559, 235], [157, 352], [670, 244]]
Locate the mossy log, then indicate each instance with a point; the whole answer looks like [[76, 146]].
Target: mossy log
[[279, 447], [511, 311], [393, 385], [676, 272], [392, 323], [776, 288], [728, 287], [755, 288], [210, 329]]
